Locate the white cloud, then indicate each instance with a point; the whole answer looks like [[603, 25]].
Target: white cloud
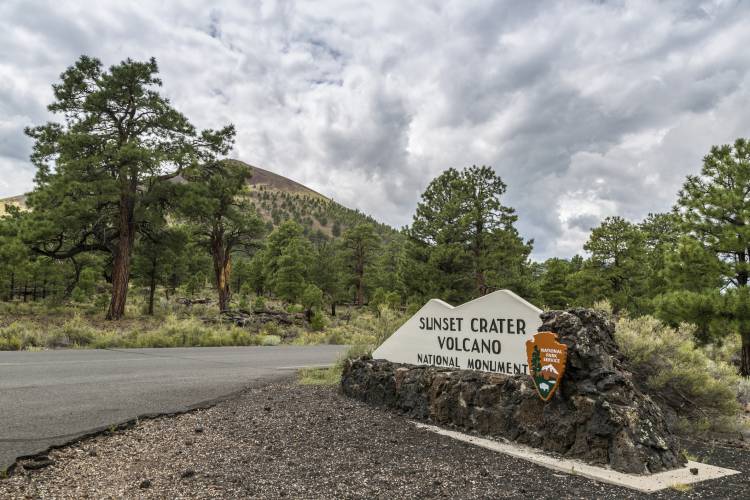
[[585, 110]]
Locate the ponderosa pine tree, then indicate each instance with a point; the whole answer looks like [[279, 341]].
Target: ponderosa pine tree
[[661, 234], [554, 282], [462, 238], [359, 243], [289, 279], [618, 256], [285, 262], [156, 253], [224, 222], [715, 208], [327, 272], [118, 141]]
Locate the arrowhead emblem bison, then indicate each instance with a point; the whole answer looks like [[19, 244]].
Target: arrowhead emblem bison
[[547, 359]]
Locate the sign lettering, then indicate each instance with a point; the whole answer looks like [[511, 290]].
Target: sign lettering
[[486, 334]]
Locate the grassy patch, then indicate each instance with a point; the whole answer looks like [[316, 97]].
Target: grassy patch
[[320, 376], [365, 328], [48, 325], [681, 487], [78, 332]]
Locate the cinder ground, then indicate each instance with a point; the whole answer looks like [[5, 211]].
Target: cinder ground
[[291, 441]]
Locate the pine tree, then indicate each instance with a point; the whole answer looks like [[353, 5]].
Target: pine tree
[[327, 273], [463, 240], [285, 262], [119, 143], [715, 210], [156, 253], [618, 254], [214, 200], [359, 243], [289, 279]]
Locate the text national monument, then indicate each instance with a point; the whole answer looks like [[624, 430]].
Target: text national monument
[[487, 334]]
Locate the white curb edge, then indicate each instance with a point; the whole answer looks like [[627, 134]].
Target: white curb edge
[[646, 483]]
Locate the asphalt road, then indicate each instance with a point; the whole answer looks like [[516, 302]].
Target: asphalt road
[[51, 397]]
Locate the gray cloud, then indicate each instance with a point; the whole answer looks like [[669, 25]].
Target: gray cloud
[[585, 109], [584, 222]]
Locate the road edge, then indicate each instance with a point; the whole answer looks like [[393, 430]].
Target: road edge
[[131, 422]]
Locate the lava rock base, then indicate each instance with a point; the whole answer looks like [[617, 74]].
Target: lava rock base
[[597, 414]]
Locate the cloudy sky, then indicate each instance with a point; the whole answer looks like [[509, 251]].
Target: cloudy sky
[[585, 109]]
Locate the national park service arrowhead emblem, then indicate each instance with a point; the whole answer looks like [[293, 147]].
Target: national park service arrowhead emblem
[[547, 359]]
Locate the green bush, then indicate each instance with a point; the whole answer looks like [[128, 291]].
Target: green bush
[[356, 351], [365, 329], [376, 299], [318, 321], [294, 308], [101, 301], [393, 300], [246, 289], [77, 332], [604, 306], [11, 336], [79, 295], [259, 304], [272, 329], [244, 303], [413, 306], [666, 361], [24, 334], [312, 298], [269, 340]]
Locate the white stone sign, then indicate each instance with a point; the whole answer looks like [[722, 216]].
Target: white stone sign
[[487, 334]]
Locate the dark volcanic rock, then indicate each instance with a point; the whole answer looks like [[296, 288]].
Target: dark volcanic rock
[[257, 319], [38, 463], [597, 415]]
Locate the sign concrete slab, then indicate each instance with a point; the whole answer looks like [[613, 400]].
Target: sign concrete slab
[[646, 483], [487, 334]]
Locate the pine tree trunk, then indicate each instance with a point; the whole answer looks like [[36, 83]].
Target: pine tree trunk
[[72, 285], [360, 292], [480, 284], [151, 291], [333, 308], [479, 279], [222, 269], [745, 349], [120, 279], [745, 355], [121, 264]]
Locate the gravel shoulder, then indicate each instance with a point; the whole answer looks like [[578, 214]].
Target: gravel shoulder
[[285, 440]]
